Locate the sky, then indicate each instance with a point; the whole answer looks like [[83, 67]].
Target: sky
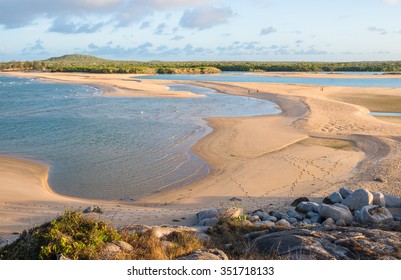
[[218, 30]]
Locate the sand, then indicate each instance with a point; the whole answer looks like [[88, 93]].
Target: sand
[[319, 143]]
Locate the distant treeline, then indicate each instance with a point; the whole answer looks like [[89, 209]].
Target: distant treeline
[[91, 64]]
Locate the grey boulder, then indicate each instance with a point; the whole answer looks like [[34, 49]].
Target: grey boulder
[[307, 206], [336, 212], [373, 214], [358, 199], [392, 201], [334, 198]]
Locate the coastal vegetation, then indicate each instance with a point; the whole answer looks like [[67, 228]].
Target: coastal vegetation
[[92, 64]]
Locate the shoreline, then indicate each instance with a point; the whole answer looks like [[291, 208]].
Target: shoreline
[[281, 165]]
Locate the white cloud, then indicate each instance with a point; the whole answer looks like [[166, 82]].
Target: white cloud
[[19, 13], [391, 2], [205, 17], [268, 30]]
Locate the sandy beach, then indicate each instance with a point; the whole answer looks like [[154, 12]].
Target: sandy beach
[[321, 141]]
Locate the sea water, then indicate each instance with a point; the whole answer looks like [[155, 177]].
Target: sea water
[[388, 82], [112, 147]]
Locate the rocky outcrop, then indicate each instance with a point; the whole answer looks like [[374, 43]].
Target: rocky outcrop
[[322, 243], [206, 254]]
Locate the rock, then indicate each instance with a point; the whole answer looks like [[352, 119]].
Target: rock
[[358, 199], [253, 219], [209, 222], [345, 192], [345, 243], [307, 206], [316, 220], [246, 223], [379, 180], [112, 249], [397, 218], [311, 214], [265, 223], [335, 197], [93, 209], [293, 214], [285, 217], [235, 199], [341, 223], [124, 246], [306, 222], [328, 222], [298, 201], [207, 214], [392, 200], [378, 199], [205, 254], [357, 216], [283, 223], [61, 257], [290, 244], [291, 220], [270, 218], [276, 214], [230, 213], [373, 214], [336, 212]]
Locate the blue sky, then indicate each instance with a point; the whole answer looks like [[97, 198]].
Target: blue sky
[[261, 30]]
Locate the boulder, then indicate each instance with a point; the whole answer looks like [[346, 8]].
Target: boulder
[[254, 218], [283, 223], [290, 244], [345, 192], [93, 209], [207, 214], [335, 197], [293, 214], [341, 223], [292, 220], [358, 199], [373, 214], [265, 223], [209, 222], [298, 201], [276, 214], [316, 219], [378, 199], [263, 216], [306, 222], [112, 249], [205, 254], [392, 201], [328, 222], [336, 212], [311, 214], [229, 213], [345, 243], [307, 206], [270, 218]]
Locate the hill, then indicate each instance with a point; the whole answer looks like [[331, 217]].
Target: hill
[[77, 58]]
